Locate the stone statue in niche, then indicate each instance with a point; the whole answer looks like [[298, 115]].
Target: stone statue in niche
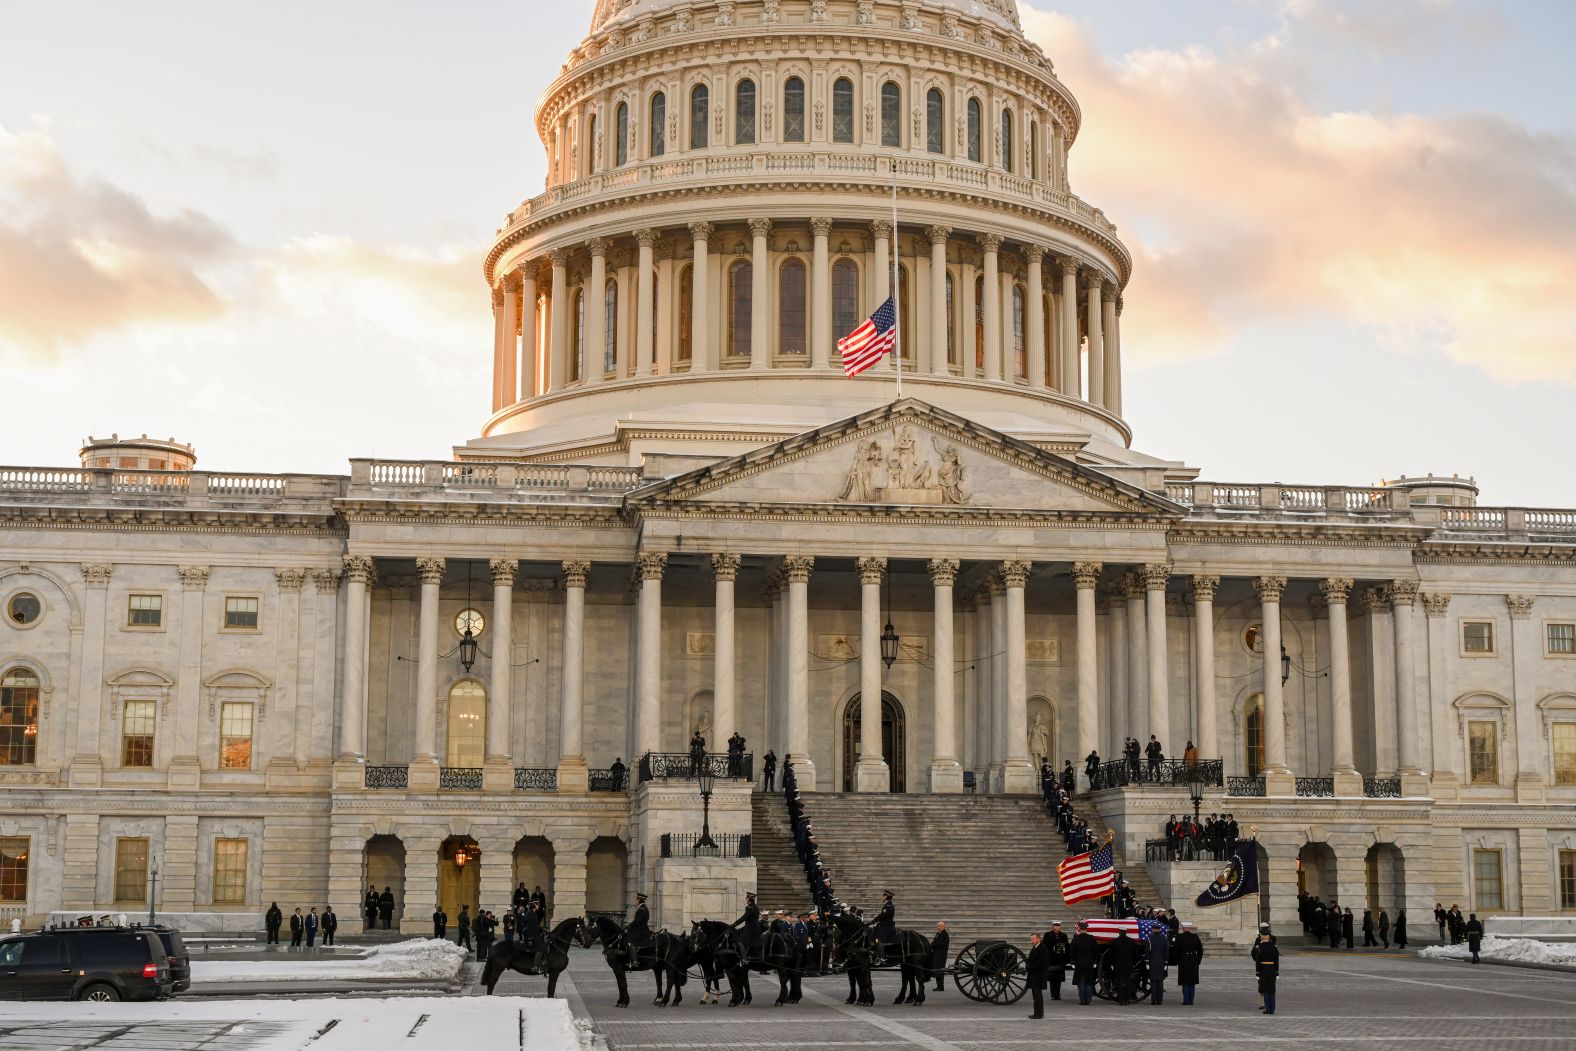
[[906, 475], [1039, 738]]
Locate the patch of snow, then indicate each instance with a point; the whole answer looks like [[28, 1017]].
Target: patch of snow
[[420, 959], [1508, 950]]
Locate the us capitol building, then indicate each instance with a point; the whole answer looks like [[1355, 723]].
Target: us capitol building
[[227, 689]]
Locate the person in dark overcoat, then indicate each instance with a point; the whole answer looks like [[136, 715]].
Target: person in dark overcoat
[[273, 919], [747, 928], [1123, 955], [465, 928], [1346, 927], [311, 928], [1266, 957], [1474, 930], [297, 928], [330, 925], [440, 923], [1190, 953], [638, 934], [386, 907], [1159, 950], [1384, 928], [1061, 955], [1369, 941], [369, 907], [938, 955], [1086, 963], [1038, 967], [1091, 767], [1334, 930], [1400, 929], [885, 925]]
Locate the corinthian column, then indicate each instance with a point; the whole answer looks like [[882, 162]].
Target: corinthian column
[[1072, 384], [508, 353], [499, 347], [595, 364], [352, 704], [700, 298], [760, 295], [1095, 313], [1204, 643], [424, 760], [573, 772], [645, 303], [871, 774], [1086, 577], [1108, 327], [725, 568], [1403, 600], [821, 296], [946, 775], [940, 322], [526, 387], [1034, 314], [499, 772], [648, 676], [991, 243], [558, 376], [797, 569], [1018, 771], [1155, 577], [1277, 775], [1336, 591]]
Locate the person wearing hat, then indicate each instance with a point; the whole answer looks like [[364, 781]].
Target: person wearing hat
[[1265, 937], [747, 927], [885, 925], [1190, 953], [1266, 964], [638, 934], [1060, 949], [1085, 954]]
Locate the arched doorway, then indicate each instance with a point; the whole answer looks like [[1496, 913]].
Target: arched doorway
[[459, 875], [1385, 872], [533, 866], [606, 862], [1316, 871], [383, 866], [894, 742]]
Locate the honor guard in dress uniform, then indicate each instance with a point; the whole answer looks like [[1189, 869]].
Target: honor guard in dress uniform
[[638, 934], [748, 926], [885, 925]]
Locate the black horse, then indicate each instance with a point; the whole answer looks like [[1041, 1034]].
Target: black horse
[[714, 952], [855, 947], [777, 954], [664, 957], [515, 956], [913, 956]]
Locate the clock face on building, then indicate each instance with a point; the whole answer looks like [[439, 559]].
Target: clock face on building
[[469, 618]]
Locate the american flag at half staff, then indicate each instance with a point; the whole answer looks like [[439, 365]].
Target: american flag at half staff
[[1085, 877], [870, 342]]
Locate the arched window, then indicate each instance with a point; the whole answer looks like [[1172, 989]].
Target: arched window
[[659, 124], [845, 297], [621, 128], [935, 121], [793, 110], [979, 325], [1253, 735], [791, 304], [578, 369], [700, 116], [1019, 354], [741, 285], [1006, 139], [891, 114], [974, 130], [610, 326], [590, 145], [467, 743], [952, 325], [18, 718], [687, 314], [843, 110], [744, 113]]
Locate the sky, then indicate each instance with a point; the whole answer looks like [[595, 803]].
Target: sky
[[259, 228]]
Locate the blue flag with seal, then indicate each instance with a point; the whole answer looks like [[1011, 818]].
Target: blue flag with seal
[[1237, 880]]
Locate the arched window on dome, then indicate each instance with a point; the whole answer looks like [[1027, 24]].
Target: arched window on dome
[[590, 145], [1020, 355], [700, 117], [845, 297], [687, 313], [979, 326], [744, 113], [610, 326], [935, 121], [952, 324], [741, 288], [974, 130], [793, 110], [792, 323], [891, 114], [843, 110], [659, 124], [621, 130], [1006, 139], [578, 368]]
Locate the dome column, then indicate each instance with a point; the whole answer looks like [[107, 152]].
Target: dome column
[[500, 347], [559, 375], [700, 298], [1034, 314], [945, 773], [760, 290], [526, 376], [1112, 360], [938, 299], [595, 364], [1096, 342], [991, 290], [881, 270], [1072, 385], [644, 293], [821, 296]]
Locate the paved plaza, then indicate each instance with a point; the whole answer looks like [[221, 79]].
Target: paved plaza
[[1326, 1000]]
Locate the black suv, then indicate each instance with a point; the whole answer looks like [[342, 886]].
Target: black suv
[[175, 949], [103, 964]]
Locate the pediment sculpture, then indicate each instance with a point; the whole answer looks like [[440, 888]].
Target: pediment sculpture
[[904, 473]]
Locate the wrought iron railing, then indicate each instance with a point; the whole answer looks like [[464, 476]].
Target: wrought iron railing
[[535, 779], [1245, 786], [387, 777], [609, 780], [1382, 787], [1169, 772], [1163, 850], [1316, 787], [662, 765], [460, 778], [686, 845]]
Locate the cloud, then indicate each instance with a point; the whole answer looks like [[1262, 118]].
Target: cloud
[[1242, 201]]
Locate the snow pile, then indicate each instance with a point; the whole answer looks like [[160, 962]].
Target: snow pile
[[420, 959], [1508, 950]]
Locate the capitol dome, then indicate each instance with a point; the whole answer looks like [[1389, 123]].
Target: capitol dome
[[719, 211]]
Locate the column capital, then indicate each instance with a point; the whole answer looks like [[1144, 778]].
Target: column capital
[[1155, 575], [193, 578], [290, 578], [650, 565], [797, 568], [990, 242], [1403, 592], [497, 299], [1270, 589], [430, 570], [725, 565], [598, 247], [702, 231], [1520, 606], [938, 234], [97, 574], [1119, 301], [1132, 585], [1068, 267], [526, 272], [511, 283], [503, 571], [1336, 589], [1204, 586], [821, 227], [577, 573], [1436, 603], [1034, 253], [943, 572], [1095, 281], [760, 227], [1376, 600], [871, 570], [1015, 572], [994, 585], [1086, 575], [360, 568], [881, 227], [558, 257], [1108, 289], [646, 237]]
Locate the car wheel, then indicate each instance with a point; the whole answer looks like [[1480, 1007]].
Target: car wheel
[[100, 994]]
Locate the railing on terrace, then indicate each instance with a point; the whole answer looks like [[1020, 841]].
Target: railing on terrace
[[662, 765], [1253, 498], [387, 777], [1316, 787], [190, 487], [535, 779], [460, 778], [1248, 787], [687, 845], [501, 478], [1164, 850], [1382, 787], [1168, 772], [609, 780]]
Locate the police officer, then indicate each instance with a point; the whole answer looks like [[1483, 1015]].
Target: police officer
[[885, 926], [638, 934], [748, 926]]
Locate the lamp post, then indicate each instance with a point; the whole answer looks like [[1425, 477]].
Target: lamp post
[[153, 893], [1195, 790], [706, 782]]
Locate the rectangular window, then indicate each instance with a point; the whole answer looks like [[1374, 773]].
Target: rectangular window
[[240, 613], [131, 871], [136, 733], [1568, 879], [13, 869], [1561, 640], [235, 736], [229, 871], [1488, 879], [1477, 636], [145, 611], [1483, 745], [1564, 735]]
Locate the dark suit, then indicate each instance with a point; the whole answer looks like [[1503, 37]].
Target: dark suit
[[1039, 967], [1190, 953], [1061, 956], [296, 929], [1086, 965], [938, 958]]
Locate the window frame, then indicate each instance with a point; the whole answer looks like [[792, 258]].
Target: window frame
[[1493, 639], [38, 616], [1548, 639], [843, 123], [577, 364], [621, 135], [226, 873], [891, 99], [1565, 879], [122, 844], [746, 110], [794, 126], [152, 720], [1478, 904], [935, 122], [1020, 331], [741, 293], [244, 596], [844, 323], [29, 710], [684, 345], [799, 316], [1253, 753], [700, 116], [1555, 728], [225, 738], [974, 148], [16, 864], [1473, 781], [657, 135], [1008, 141], [131, 610], [477, 740], [610, 327]]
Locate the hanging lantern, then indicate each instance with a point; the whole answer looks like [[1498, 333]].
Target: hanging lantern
[[460, 858], [468, 650], [889, 644]]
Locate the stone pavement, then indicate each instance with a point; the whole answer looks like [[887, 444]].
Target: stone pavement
[[1327, 1001]]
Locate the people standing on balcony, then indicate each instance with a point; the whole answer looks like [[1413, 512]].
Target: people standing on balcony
[[1131, 751], [1190, 755], [618, 770], [735, 755], [1092, 768], [697, 754], [769, 769], [1156, 755]]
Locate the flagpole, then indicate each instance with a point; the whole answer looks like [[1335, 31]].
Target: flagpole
[[897, 288]]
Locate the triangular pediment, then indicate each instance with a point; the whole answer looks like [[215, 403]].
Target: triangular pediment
[[912, 457]]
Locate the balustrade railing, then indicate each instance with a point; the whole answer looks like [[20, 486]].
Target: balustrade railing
[[1382, 787], [662, 765], [1164, 850], [266, 486], [1168, 772], [460, 778], [535, 779], [387, 777], [1249, 787], [609, 780], [1316, 787], [687, 845], [43, 479]]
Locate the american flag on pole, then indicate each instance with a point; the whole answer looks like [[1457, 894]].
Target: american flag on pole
[[868, 343], [1085, 877]]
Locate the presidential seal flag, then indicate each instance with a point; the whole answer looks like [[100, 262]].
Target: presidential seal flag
[[1238, 879]]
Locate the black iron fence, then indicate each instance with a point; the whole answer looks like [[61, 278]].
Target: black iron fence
[[1316, 787], [1246, 786], [387, 777], [688, 845], [1162, 850], [535, 779], [662, 765], [1382, 787], [609, 780], [1167, 772], [460, 778]]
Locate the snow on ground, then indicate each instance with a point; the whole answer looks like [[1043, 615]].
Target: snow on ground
[[1508, 950], [425, 959], [493, 1022]]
